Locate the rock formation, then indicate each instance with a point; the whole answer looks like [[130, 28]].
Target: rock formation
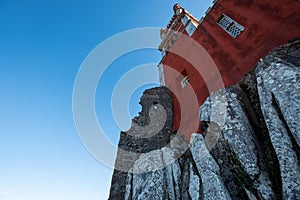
[[252, 154]]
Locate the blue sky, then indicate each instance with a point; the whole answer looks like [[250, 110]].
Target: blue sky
[[42, 46]]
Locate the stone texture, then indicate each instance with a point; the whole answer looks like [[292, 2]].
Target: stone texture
[[236, 129], [278, 87], [159, 183], [239, 137], [212, 184], [249, 148], [195, 189], [143, 137]]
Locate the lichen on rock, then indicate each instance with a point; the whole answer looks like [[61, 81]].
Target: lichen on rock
[[249, 148]]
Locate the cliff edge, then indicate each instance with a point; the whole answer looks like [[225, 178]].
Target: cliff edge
[[254, 154]]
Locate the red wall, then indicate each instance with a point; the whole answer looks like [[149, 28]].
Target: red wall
[[267, 24]]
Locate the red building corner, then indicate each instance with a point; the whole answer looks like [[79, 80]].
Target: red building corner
[[202, 56]]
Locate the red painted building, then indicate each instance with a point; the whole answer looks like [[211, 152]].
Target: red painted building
[[201, 56]]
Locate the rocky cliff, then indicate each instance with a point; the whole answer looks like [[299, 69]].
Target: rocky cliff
[[253, 154]]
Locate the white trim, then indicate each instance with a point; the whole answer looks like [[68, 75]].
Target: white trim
[[185, 81], [190, 28], [233, 28], [161, 74], [185, 19]]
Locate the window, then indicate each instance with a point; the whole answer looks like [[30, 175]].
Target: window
[[185, 81], [230, 26], [155, 105], [190, 28], [182, 80], [185, 19]]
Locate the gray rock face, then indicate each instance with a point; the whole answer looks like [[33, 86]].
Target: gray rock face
[[278, 88], [278, 82], [213, 186], [161, 183], [249, 148], [194, 184], [150, 131], [237, 130], [238, 135]]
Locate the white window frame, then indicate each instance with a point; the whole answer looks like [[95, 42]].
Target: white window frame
[[233, 28], [185, 81]]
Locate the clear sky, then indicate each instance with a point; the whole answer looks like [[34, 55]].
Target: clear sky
[[42, 46]]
